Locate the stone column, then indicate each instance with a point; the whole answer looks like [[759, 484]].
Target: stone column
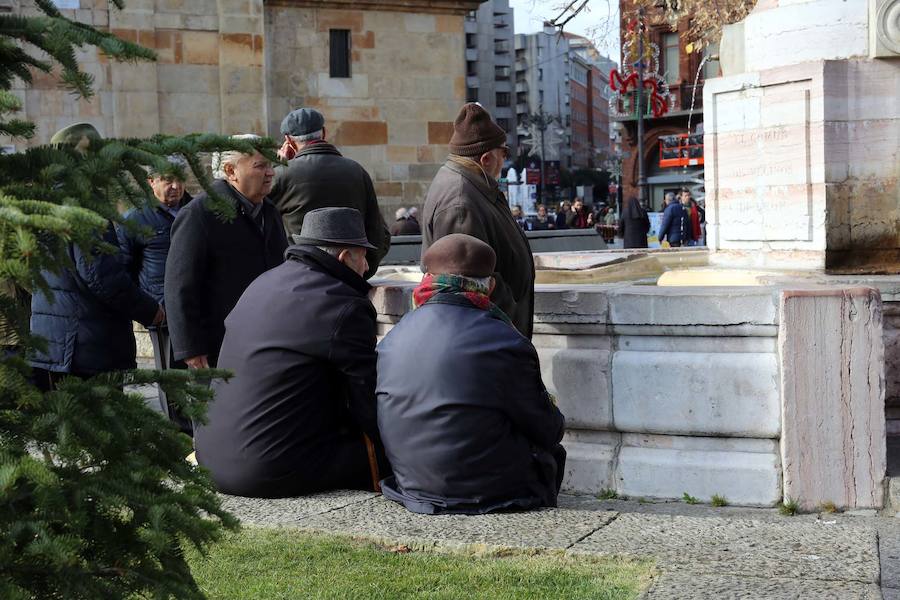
[[832, 375]]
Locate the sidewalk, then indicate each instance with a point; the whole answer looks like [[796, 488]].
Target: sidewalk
[[700, 551]]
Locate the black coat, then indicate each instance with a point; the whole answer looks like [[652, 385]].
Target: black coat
[[319, 177], [459, 200], [634, 224], [87, 324], [464, 416], [145, 257], [301, 344], [211, 262]]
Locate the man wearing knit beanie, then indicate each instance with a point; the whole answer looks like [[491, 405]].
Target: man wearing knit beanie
[[464, 197]]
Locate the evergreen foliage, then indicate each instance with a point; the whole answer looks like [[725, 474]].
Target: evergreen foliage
[[96, 499]]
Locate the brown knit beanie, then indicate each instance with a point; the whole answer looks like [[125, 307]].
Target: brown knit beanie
[[474, 132], [460, 254]]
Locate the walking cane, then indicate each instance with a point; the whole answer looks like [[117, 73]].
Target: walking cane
[[373, 464]]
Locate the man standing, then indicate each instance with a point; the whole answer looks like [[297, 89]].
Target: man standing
[[212, 261], [301, 344], [411, 223], [466, 198], [675, 224], [86, 319], [317, 176], [579, 217], [690, 208], [144, 257], [399, 220], [475, 430]]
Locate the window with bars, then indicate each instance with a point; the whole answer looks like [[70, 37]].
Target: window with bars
[[503, 98], [339, 46]]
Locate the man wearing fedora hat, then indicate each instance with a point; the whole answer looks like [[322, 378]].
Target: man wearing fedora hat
[[464, 197], [475, 430], [318, 176], [301, 344]]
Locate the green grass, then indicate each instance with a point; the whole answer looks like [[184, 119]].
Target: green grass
[[718, 500], [789, 507], [690, 499], [280, 564], [608, 494]]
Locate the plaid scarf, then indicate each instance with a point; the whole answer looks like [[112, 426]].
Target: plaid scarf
[[458, 286]]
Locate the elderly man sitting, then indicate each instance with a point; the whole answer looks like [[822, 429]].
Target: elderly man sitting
[[474, 430], [301, 344]]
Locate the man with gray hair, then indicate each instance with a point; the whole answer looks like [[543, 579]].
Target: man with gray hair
[[144, 248], [318, 176], [212, 260]]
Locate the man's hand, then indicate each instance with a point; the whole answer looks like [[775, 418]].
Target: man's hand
[[287, 150], [160, 317], [197, 362]]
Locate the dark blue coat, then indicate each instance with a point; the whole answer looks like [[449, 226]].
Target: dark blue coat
[[145, 256], [676, 224], [87, 325], [464, 416]]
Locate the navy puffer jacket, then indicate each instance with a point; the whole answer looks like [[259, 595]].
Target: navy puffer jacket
[[145, 256], [87, 322]]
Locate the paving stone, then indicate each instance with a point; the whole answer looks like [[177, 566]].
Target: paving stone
[[836, 550], [288, 511], [382, 519], [889, 553], [684, 584]]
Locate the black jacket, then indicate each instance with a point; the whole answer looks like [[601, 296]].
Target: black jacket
[[464, 416], [301, 344], [319, 177], [87, 324], [634, 225], [459, 200], [145, 257], [211, 262], [676, 224]]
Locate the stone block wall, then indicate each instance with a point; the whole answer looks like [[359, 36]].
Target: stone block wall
[[395, 113]]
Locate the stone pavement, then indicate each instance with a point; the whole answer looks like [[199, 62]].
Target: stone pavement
[[700, 551]]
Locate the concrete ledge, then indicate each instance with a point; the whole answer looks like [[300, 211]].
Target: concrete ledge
[[694, 393], [692, 306], [579, 378], [668, 466], [590, 461]]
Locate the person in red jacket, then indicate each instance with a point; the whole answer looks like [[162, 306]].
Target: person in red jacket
[[691, 208]]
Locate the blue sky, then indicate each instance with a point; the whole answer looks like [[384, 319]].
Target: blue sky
[[600, 23]]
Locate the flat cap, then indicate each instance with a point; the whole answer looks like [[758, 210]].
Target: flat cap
[[302, 121], [460, 254], [75, 134]]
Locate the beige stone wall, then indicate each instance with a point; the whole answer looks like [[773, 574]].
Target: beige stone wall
[[238, 66], [394, 114], [209, 76]]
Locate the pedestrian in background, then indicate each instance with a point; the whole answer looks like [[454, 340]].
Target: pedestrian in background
[[411, 224], [562, 215], [676, 223], [634, 224], [399, 220]]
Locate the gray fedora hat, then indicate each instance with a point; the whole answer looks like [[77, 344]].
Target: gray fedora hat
[[333, 227]]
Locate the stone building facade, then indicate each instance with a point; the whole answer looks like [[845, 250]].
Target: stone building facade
[[238, 66]]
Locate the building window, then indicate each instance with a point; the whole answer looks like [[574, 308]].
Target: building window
[[471, 68], [471, 94], [503, 98], [540, 74], [670, 57], [504, 124], [340, 52], [540, 96], [471, 40]]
